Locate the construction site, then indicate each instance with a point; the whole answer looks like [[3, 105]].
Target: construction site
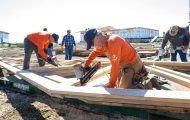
[[60, 90], [63, 60]]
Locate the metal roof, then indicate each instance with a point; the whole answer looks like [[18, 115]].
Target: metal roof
[[3, 32]]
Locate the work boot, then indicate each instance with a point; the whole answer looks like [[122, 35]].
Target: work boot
[[155, 83], [148, 84]]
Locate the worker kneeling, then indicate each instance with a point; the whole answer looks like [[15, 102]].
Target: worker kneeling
[[127, 70]]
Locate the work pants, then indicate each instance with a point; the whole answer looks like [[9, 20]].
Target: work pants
[[29, 47], [183, 55], [127, 74], [68, 52]]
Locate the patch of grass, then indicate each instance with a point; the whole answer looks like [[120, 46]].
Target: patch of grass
[[18, 45]]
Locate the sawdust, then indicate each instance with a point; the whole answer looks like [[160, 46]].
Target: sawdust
[[18, 106]]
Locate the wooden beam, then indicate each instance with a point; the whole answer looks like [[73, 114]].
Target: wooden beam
[[172, 72], [174, 86], [134, 104], [34, 79], [166, 63], [62, 80], [178, 79], [145, 49], [128, 96], [99, 81], [154, 98]]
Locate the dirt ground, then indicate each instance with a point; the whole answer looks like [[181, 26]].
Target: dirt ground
[[18, 106], [15, 105]]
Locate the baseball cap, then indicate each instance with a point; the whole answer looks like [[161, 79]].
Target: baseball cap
[[174, 30], [56, 37]]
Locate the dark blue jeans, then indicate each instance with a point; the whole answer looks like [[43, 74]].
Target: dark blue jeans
[[50, 52], [68, 52], [182, 55]]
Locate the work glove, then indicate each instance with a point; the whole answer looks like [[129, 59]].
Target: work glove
[[160, 53], [51, 60]]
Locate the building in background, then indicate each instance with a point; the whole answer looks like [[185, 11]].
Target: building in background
[[4, 37], [136, 34]]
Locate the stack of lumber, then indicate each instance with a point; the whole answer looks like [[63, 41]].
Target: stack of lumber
[[144, 50]]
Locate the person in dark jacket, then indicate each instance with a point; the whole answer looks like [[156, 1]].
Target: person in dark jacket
[[68, 41], [179, 42]]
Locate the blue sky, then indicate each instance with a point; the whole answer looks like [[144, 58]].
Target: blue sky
[[21, 17]]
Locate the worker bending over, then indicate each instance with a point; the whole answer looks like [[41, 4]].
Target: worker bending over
[[179, 42], [127, 70], [38, 42]]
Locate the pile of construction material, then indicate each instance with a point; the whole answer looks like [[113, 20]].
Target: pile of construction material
[[144, 50]]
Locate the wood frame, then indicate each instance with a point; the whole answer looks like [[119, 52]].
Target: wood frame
[[153, 99]]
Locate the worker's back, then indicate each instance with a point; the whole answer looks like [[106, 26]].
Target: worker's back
[[41, 39]]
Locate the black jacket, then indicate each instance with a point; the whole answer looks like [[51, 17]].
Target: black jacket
[[181, 39]]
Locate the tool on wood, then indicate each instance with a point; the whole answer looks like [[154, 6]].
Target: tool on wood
[[85, 73], [53, 62], [50, 61]]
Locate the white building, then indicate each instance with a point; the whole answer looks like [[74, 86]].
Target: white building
[[4, 37], [129, 33]]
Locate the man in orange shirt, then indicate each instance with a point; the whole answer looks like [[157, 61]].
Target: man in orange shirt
[[38, 42], [127, 70]]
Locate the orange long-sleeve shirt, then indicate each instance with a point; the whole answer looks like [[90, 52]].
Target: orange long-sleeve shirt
[[41, 40], [119, 50]]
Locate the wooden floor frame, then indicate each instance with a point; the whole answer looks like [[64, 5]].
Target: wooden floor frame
[[152, 99]]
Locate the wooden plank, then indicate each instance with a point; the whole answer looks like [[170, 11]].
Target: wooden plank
[[64, 71], [175, 78], [46, 68], [62, 80], [134, 104], [110, 95], [172, 72], [32, 78], [145, 97], [99, 81], [9, 67], [154, 49], [166, 63], [69, 62], [174, 86], [147, 52]]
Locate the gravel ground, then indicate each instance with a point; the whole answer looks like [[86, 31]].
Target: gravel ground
[[19, 106]]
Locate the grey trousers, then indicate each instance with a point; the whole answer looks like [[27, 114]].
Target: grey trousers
[[29, 47]]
